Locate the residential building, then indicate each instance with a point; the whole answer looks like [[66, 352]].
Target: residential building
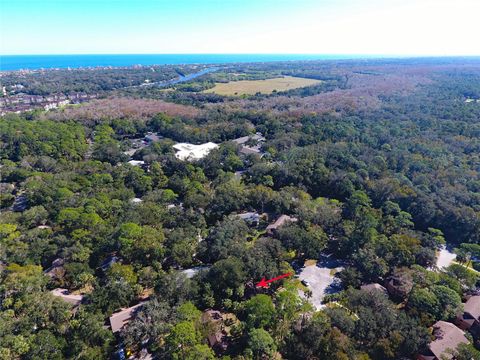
[[56, 271], [217, 337], [244, 139], [399, 286], [374, 287], [186, 151], [447, 338], [282, 220], [470, 318], [151, 138], [250, 217], [250, 144], [137, 162], [109, 261]]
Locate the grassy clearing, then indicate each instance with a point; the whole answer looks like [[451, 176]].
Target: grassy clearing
[[251, 87]]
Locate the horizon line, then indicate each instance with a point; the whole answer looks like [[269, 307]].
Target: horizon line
[[247, 54]]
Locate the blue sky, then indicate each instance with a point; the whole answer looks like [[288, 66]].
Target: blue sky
[[383, 27]]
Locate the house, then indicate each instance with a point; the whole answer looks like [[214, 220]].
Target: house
[[186, 151], [470, 318], [247, 150], [282, 220], [218, 341], [20, 203], [250, 217], [238, 174], [119, 319], [108, 262], [447, 338], [151, 138], [56, 271], [65, 295], [136, 162], [190, 273], [254, 144], [44, 227], [50, 106], [6, 188], [213, 321], [374, 287], [253, 138], [399, 285]]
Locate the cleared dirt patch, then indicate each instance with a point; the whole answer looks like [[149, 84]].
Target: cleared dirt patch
[[251, 87]]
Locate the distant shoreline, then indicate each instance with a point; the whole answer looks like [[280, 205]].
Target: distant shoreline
[[37, 62]]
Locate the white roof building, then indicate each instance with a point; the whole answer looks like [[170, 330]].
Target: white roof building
[[186, 151], [136, 162]]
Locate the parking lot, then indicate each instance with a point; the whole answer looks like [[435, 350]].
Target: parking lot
[[321, 280]]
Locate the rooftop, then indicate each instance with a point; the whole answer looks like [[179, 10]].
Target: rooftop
[[472, 306], [186, 151], [249, 216], [244, 139], [373, 287], [152, 138], [189, 273], [447, 337], [280, 222], [136, 162], [247, 150]]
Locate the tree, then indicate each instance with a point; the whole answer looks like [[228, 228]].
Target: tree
[[424, 304], [309, 241], [261, 344], [137, 180], [200, 352], [112, 296], [23, 279], [159, 180], [141, 244], [467, 277], [119, 272], [450, 301], [288, 307], [259, 312], [229, 196], [466, 352], [181, 341], [227, 278], [151, 323], [46, 346], [226, 238], [88, 337], [378, 320], [77, 275], [265, 259]]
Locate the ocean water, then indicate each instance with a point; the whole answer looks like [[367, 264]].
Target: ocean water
[[18, 62]]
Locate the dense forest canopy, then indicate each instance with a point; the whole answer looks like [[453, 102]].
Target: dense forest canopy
[[377, 169]]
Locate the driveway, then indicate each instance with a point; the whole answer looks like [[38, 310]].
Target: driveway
[[445, 258], [321, 280]]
